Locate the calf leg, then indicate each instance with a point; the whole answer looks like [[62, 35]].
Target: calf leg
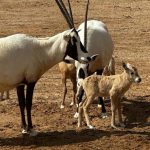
[[100, 99], [80, 114], [113, 109], [73, 80], [21, 99], [65, 91], [85, 108]]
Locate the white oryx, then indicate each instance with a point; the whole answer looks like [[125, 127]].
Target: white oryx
[[24, 59], [99, 42]]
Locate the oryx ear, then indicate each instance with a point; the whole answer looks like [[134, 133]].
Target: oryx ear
[[67, 37], [124, 65], [78, 30]]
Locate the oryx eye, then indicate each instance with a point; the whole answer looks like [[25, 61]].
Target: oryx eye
[[132, 73]]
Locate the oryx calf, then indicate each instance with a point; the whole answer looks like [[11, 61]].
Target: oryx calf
[[114, 86], [68, 71]]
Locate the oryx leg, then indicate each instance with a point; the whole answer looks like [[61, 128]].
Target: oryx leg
[[29, 97], [22, 103]]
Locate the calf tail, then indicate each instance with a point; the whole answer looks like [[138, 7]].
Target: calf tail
[[111, 66]]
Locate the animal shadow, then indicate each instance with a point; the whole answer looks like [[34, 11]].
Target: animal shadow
[[136, 111]]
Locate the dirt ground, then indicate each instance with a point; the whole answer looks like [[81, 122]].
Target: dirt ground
[[129, 24]]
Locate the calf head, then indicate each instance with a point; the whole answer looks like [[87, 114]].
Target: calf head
[[132, 72]]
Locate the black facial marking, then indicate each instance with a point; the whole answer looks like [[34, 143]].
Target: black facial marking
[[71, 49], [74, 40], [87, 68], [83, 48], [67, 61], [81, 45], [81, 73], [99, 72]]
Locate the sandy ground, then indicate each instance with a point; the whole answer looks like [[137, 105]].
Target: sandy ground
[[129, 24]]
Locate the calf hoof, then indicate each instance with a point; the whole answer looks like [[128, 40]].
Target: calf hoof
[[72, 103], [33, 132], [104, 115], [76, 115], [79, 125], [90, 127], [62, 107]]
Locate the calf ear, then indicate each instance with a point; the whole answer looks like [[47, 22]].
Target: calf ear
[[94, 57], [84, 60], [124, 65]]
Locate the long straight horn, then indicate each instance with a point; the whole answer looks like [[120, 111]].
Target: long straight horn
[[70, 10], [85, 25], [64, 12]]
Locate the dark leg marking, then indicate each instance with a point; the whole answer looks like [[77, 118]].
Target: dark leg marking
[[21, 99], [101, 102], [29, 96]]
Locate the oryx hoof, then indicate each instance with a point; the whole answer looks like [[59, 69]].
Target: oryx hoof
[[24, 131], [99, 106], [104, 115], [33, 132], [62, 107], [122, 125]]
